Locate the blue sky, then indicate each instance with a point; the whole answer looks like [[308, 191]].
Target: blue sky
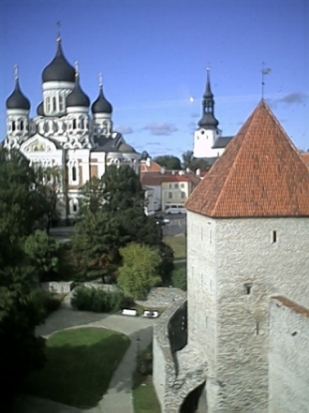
[[153, 56]]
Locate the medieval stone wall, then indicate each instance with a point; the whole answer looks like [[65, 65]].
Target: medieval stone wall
[[288, 360], [234, 266]]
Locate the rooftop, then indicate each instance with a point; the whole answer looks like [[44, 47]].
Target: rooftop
[[156, 178], [293, 306], [260, 174]]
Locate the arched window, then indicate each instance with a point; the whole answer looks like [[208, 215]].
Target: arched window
[[13, 126], [21, 125], [54, 103], [74, 123], [61, 103], [48, 108], [74, 174]]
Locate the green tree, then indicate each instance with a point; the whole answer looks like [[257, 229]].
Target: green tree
[[169, 162], [139, 270], [188, 161], [117, 220], [95, 245], [49, 184], [91, 199], [22, 203], [21, 352], [44, 254]]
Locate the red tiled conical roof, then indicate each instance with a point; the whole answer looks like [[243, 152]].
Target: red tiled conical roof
[[260, 174]]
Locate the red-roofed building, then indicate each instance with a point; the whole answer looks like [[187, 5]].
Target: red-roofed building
[[170, 187]]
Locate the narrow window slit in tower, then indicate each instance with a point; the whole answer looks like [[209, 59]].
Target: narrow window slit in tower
[[274, 236], [248, 288], [257, 328], [294, 334], [74, 177]]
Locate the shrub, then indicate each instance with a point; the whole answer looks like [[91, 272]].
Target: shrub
[[98, 300], [144, 361], [46, 301], [179, 278]]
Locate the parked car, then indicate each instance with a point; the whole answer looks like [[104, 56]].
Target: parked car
[[175, 209], [161, 220]]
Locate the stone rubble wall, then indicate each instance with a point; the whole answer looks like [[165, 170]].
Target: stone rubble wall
[[174, 375], [288, 360]]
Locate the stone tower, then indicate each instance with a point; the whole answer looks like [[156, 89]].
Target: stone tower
[[248, 239]]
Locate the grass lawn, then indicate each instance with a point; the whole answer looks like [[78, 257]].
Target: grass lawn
[[79, 367], [178, 244], [144, 395]]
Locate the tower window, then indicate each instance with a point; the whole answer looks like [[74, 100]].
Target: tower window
[[74, 123], [21, 125], [294, 334], [74, 174], [13, 126], [257, 328], [61, 103], [248, 288], [202, 132], [274, 237], [54, 104]]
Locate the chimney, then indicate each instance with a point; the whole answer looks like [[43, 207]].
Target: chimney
[[162, 171], [198, 172], [148, 162]]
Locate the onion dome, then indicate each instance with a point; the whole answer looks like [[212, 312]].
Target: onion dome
[[77, 97], [125, 148], [17, 100], [40, 109], [101, 105], [59, 69], [208, 121]]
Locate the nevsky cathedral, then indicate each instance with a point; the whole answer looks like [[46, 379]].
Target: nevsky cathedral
[[63, 135]]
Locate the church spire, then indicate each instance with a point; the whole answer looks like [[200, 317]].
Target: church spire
[[208, 120]]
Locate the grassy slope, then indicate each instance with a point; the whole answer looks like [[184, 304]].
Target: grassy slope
[[80, 364], [178, 244], [144, 396]]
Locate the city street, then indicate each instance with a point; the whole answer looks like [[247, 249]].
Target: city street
[[176, 226]]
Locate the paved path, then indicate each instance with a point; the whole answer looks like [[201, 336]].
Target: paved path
[[118, 398]]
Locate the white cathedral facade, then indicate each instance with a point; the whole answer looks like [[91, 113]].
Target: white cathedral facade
[[64, 136]]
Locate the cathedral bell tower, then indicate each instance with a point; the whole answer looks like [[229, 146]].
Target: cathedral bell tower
[[207, 132]]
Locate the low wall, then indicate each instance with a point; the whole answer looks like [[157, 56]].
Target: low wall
[[164, 368]]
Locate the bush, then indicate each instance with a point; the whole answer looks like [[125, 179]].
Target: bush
[[98, 300], [47, 302], [179, 278], [144, 361]]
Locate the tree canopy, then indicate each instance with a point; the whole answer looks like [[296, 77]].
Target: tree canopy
[[169, 162], [117, 220], [139, 270], [188, 161]]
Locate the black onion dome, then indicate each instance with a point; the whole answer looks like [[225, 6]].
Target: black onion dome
[[40, 109], [59, 69], [208, 121], [17, 100], [101, 105], [125, 148], [77, 97]]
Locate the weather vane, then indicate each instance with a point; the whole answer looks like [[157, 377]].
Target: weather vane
[[58, 30], [15, 72], [264, 72]]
